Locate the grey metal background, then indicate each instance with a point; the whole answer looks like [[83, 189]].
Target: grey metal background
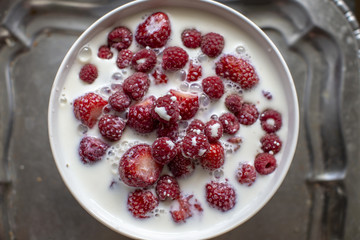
[[320, 197]]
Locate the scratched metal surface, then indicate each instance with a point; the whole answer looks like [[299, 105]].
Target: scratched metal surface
[[320, 197]]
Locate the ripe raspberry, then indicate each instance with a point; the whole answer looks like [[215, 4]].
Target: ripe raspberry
[[246, 174], [104, 52], [154, 31], [141, 202], [188, 205], [213, 87], [170, 130], [124, 58], [248, 114], [220, 195], [88, 73], [234, 102], [237, 70], [136, 85], [181, 166], [196, 126], [230, 123], [194, 145], [271, 143], [212, 44], [144, 60], [164, 150], [140, 118], [167, 188], [214, 158], [120, 38], [188, 103], [166, 109], [213, 130], [92, 149], [111, 127], [191, 38], [119, 101], [265, 163], [194, 73], [271, 120], [159, 77], [174, 58], [138, 168], [88, 108]]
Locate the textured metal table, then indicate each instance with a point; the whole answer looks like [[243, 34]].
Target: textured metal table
[[320, 197]]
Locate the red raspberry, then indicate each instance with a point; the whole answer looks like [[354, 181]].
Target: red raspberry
[[212, 44], [119, 101], [230, 123], [144, 60], [196, 126], [194, 73], [154, 31], [104, 52], [141, 202], [170, 130], [166, 109], [167, 188], [88, 108], [213, 87], [120, 38], [237, 70], [174, 58], [220, 195], [248, 114], [111, 127], [188, 103], [271, 120], [265, 163], [187, 206], [214, 158], [246, 174], [159, 77], [88, 73], [138, 168], [191, 38], [136, 85], [181, 166], [234, 102], [124, 58], [164, 150], [194, 145], [271, 143], [92, 149], [213, 130], [140, 118]]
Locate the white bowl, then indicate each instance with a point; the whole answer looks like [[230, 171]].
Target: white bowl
[[121, 225]]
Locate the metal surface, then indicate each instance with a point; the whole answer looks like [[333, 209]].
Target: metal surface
[[319, 198]]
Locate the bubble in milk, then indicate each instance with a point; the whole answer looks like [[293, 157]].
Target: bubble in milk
[[82, 129], [214, 117], [63, 99], [240, 49], [184, 86], [195, 87], [204, 100], [84, 54], [202, 57], [105, 91], [182, 75], [117, 76], [218, 173]]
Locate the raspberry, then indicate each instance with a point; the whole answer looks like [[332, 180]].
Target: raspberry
[[111, 127], [164, 150], [88, 73], [188, 103], [271, 120], [92, 149], [120, 38], [265, 163], [138, 168], [213, 87], [170, 130], [166, 109], [271, 143], [194, 73], [237, 70], [194, 145], [191, 38], [144, 60], [141, 202], [230, 123], [140, 118], [119, 101], [136, 85], [167, 188], [248, 114], [187, 206], [212, 44], [213, 130], [174, 58], [181, 166], [159, 77], [154, 31], [88, 108], [214, 158], [220, 195], [246, 174], [234, 102], [124, 58], [196, 126], [104, 52]]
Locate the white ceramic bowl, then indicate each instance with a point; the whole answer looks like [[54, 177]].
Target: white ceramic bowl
[[135, 230]]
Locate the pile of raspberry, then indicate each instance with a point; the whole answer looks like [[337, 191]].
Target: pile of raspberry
[[141, 166]]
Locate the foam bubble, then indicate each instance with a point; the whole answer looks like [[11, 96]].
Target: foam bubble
[[84, 54]]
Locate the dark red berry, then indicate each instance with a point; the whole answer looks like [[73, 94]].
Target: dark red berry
[[140, 118], [119, 101], [196, 126], [271, 120], [92, 149], [88, 73], [181, 166], [220, 195], [230, 123], [212, 44], [159, 77], [213, 87], [164, 150], [104, 52], [187, 206], [124, 58], [88, 108], [120, 38], [234, 102], [170, 130], [271, 143], [214, 158], [188, 103], [248, 114], [213, 130], [141, 202], [191, 38], [194, 72], [167, 187], [265, 163], [137, 85], [246, 174], [174, 58], [144, 60], [194, 145], [111, 127], [166, 109]]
